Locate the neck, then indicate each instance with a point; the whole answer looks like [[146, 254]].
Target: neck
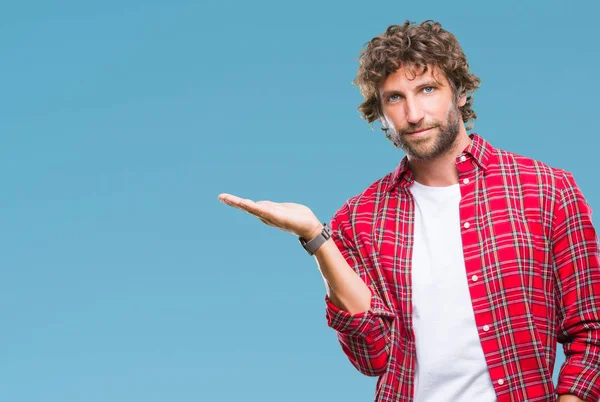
[[441, 171]]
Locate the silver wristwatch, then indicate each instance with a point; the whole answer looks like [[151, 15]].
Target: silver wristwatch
[[313, 245]]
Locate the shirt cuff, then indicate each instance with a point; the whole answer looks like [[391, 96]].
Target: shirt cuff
[[359, 324], [580, 380]]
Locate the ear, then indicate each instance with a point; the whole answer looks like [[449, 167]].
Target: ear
[[462, 100]]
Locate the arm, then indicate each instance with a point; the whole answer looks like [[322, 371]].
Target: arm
[[360, 317], [576, 253], [353, 309]]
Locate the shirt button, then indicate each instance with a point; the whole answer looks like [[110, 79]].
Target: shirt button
[[463, 158], [466, 181], [486, 328], [466, 225], [501, 382], [474, 278]]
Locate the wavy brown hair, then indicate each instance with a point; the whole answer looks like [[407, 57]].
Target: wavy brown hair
[[416, 46]]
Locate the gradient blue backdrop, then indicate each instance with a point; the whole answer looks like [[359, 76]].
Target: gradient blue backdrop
[[125, 279]]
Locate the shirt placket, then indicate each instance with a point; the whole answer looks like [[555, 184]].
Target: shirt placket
[[469, 172]]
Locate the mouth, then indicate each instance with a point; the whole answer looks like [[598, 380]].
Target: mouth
[[418, 132]]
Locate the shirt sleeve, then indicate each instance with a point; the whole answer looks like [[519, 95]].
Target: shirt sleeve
[[576, 251], [364, 337]]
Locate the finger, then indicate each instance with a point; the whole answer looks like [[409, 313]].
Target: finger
[[252, 208], [233, 200], [249, 206], [229, 198]]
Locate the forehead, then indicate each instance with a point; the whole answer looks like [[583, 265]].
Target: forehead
[[410, 76]]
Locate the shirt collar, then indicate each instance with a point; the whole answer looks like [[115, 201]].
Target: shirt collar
[[479, 150]]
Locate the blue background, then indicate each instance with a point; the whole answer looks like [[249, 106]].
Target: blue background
[[125, 279]]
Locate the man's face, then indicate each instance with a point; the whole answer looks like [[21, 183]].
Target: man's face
[[420, 112]]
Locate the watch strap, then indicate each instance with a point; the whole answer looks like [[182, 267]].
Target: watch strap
[[312, 245]]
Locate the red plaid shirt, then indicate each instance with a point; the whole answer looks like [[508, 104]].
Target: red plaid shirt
[[532, 264]]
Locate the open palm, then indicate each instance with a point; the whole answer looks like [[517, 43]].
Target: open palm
[[294, 218]]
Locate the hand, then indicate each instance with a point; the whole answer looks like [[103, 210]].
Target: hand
[[289, 217]]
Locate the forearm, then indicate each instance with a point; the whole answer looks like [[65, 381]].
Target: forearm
[[354, 308], [344, 287]]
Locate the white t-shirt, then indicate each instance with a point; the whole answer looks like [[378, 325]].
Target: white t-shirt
[[450, 361]]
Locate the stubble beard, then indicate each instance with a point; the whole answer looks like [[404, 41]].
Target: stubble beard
[[440, 144]]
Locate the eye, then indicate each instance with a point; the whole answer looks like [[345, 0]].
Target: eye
[[428, 90]]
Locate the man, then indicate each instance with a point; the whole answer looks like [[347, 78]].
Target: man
[[453, 277]]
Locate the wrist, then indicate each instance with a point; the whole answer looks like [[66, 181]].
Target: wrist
[[314, 241], [313, 232]]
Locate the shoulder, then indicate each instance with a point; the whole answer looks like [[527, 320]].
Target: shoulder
[[550, 187], [526, 169], [364, 204]]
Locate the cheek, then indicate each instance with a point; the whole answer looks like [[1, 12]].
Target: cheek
[[435, 107], [393, 117], [438, 112], [386, 119]]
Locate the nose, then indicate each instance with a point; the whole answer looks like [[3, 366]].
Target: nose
[[414, 111]]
